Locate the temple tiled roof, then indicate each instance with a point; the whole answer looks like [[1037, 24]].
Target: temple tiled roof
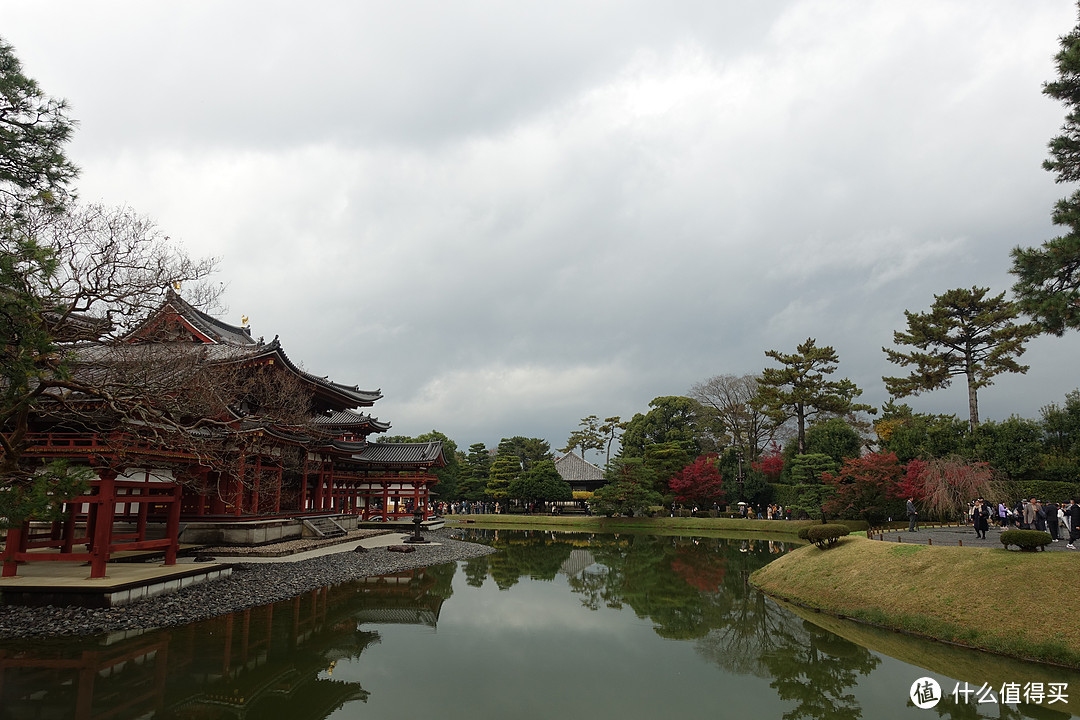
[[347, 419], [575, 469], [389, 454], [207, 325]]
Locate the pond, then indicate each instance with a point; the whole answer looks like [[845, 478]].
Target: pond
[[568, 625]]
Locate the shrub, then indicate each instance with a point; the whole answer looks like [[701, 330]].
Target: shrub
[[1026, 540], [825, 536], [804, 532]]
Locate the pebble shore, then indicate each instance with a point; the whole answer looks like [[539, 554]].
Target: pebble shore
[[250, 585]]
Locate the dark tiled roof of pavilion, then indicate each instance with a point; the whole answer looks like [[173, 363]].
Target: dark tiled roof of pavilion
[[389, 454], [207, 325], [365, 398], [349, 419], [575, 469]]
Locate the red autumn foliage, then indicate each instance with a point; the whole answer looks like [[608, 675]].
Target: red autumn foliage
[[911, 486], [699, 483], [865, 486], [771, 463]]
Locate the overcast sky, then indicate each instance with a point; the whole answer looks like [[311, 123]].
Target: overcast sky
[[511, 215]]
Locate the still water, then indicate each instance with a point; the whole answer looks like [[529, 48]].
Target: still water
[[553, 625]]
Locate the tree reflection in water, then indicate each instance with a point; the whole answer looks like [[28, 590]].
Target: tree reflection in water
[[698, 589]]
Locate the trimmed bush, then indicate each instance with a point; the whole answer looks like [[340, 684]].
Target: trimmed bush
[[825, 536], [804, 532], [1026, 540]]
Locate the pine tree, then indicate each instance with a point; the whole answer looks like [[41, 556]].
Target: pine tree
[[801, 389], [1048, 277], [964, 333]]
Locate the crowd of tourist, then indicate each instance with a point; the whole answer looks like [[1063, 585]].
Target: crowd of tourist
[[1057, 519]]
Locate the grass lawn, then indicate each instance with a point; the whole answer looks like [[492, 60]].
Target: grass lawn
[[1018, 604]]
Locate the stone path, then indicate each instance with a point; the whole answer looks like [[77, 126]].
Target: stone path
[[962, 535]]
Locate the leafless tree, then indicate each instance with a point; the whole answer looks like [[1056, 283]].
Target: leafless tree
[[72, 287], [729, 398]]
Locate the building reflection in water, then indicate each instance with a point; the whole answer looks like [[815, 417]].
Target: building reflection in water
[[265, 662]]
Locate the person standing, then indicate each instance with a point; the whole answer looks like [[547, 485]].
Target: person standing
[[1040, 516], [980, 518], [1073, 515], [1051, 511], [1029, 515], [912, 514]]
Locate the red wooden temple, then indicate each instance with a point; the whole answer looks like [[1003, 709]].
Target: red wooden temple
[[147, 491]]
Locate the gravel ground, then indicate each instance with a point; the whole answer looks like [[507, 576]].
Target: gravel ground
[[250, 585]]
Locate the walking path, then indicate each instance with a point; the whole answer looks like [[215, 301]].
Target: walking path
[[956, 535]]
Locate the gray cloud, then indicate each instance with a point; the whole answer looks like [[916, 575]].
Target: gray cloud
[[510, 216]]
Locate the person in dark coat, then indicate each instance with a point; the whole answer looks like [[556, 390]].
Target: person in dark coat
[[1074, 516], [913, 515], [1051, 510], [980, 518]]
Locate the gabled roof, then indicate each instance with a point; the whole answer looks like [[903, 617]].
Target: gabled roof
[[574, 468], [202, 326], [229, 343], [403, 454], [349, 420]]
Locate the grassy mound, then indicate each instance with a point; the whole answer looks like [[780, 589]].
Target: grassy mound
[[1011, 603]]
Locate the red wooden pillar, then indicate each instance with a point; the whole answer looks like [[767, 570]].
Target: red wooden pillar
[[15, 538], [104, 510], [319, 489], [330, 489]]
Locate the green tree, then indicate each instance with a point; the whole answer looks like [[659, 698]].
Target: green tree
[[475, 473], [505, 469], [672, 419], [529, 451], [541, 484], [629, 490], [800, 388], [918, 435], [587, 437], [810, 467], [665, 460], [1013, 446], [1048, 277], [612, 430], [835, 438], [965, 333], [35, 172]]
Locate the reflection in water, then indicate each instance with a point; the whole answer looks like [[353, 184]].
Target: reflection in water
[[676, 610], [272, 661]]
